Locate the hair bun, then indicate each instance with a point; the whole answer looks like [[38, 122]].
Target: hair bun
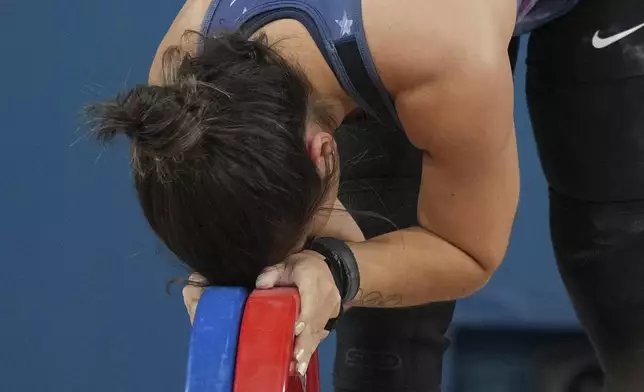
[[160, 121]]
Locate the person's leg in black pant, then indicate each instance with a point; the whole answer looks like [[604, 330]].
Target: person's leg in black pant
[[385, 350], [586, 99]]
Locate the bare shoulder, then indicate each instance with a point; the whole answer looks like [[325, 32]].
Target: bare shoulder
[[190, 17], [446, 64], [413, 40]]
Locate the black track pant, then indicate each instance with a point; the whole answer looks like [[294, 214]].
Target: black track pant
[[586, 103]]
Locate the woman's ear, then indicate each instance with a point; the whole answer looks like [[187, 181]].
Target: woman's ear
[[322, 151]]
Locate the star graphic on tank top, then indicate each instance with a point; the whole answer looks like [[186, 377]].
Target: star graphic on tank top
[[244, 10], [345, 24], [232, 2]]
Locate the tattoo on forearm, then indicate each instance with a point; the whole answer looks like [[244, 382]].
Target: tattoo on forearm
[[376, 299]]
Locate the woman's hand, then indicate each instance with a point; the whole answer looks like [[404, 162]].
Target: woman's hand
[[319, 299], [191, 295]]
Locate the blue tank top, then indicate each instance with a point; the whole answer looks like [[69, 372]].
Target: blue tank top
[[336, 27]]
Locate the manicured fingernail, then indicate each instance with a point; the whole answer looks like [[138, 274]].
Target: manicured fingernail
[[301, 368], [263, 282], [298, 354], [195, 277], [299, 327]]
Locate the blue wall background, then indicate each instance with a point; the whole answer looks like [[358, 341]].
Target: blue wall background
[[82, 300]]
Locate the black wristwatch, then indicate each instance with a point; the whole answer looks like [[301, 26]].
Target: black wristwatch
[[342, 263], [343, 266]]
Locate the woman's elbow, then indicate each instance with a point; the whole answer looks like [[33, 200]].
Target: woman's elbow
[[498, 240]]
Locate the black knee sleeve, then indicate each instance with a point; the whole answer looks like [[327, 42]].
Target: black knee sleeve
[[392, 350]]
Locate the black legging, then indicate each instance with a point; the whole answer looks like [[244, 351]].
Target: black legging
[[587, 110], [386, 349]]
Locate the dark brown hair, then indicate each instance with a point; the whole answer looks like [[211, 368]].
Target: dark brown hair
[[219, 156]]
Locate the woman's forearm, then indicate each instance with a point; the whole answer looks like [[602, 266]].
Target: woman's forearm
[[414, 267], [339, 224]]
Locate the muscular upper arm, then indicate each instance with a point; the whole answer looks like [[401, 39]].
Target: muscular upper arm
[[470, 182], [461, 115]]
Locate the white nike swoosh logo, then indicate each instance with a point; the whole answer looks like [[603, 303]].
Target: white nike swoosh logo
[[600, 43]]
